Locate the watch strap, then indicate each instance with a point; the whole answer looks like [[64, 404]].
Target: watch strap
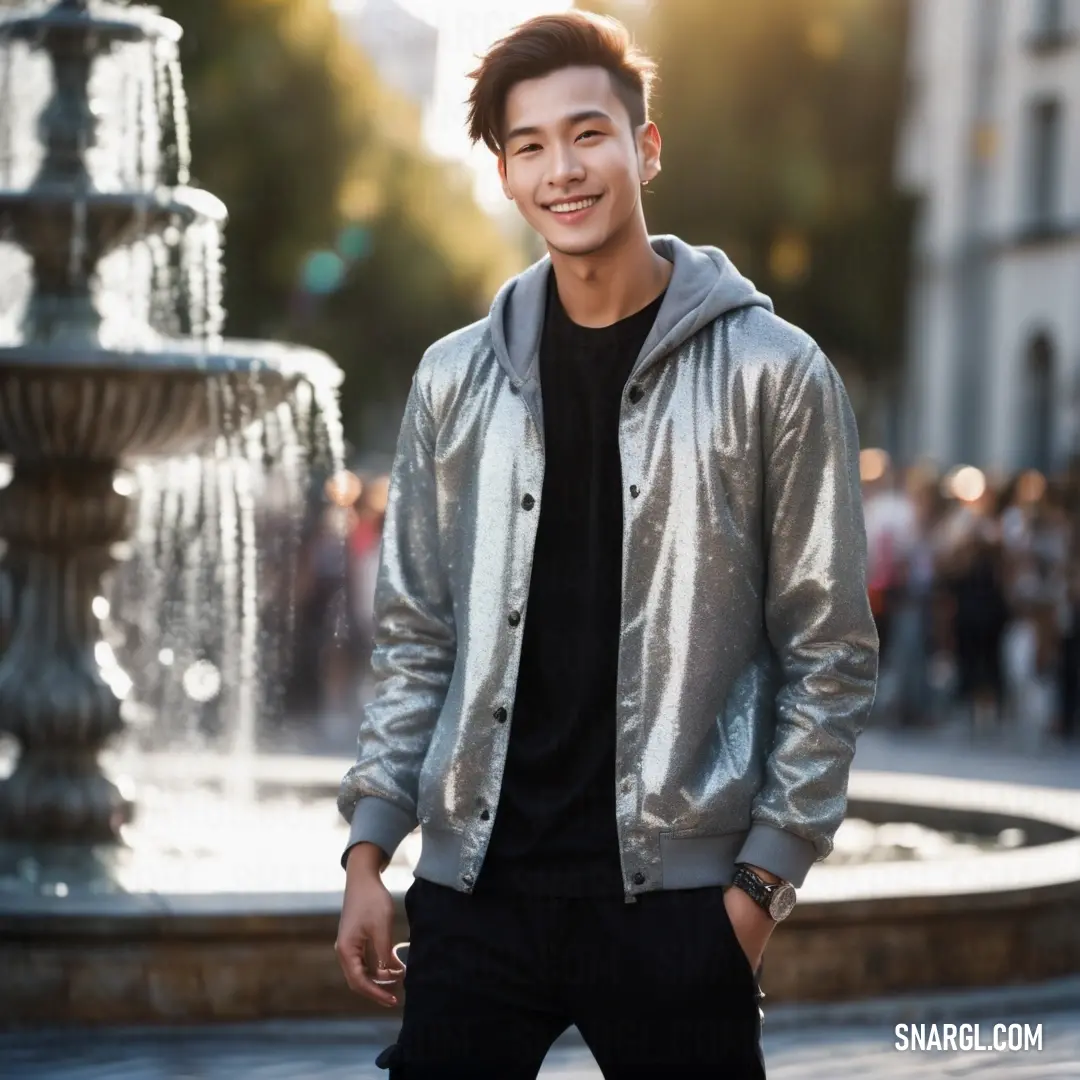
[[776, 899], [756, 887]]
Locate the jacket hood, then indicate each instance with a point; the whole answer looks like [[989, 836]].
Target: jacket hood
[[704, 285]]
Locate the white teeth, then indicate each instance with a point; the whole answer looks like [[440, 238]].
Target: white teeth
[[570, 207]]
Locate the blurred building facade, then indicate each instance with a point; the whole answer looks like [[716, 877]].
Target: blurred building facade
[[990, 147], [402, 48]]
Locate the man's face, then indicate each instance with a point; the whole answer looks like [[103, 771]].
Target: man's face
[[571, 160]]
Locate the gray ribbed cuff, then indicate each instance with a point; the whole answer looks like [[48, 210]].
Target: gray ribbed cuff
[[378, 822], [780, 852]]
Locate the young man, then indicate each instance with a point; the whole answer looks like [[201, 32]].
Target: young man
[[624, 645]]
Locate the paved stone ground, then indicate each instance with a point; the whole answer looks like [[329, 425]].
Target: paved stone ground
[[951, 750], [346, 1051]]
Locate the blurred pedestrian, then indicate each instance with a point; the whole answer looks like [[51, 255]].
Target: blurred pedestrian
[[890, 519], [1068, 725], [891, 531], [1035, 543], [913, 637], [973, 577], [365, 547], [1069, 670], [981, 615]]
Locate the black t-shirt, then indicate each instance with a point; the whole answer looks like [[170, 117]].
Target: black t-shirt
[[555, 828]]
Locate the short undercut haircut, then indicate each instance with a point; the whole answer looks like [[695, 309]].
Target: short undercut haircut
[[550, 43]]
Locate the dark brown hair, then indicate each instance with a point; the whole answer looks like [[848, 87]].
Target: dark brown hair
[[549, 43]]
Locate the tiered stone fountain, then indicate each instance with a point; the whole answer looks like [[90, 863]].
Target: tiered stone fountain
[[83, 389], [225, 905]]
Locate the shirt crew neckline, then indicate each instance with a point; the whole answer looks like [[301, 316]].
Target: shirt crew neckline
[[627, 324]]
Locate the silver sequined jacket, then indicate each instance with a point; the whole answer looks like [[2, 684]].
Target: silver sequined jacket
[[747, 656]]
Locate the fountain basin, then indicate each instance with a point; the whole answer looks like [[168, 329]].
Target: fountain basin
[[998, 918], [45, 218], [175, 398], [107, 22]]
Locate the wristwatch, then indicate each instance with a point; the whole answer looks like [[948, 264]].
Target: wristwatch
[[777, 901]]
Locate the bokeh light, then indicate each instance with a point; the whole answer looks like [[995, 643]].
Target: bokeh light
[[966, 483], [873, 464], [1031, 486], [322, 273], [202, 681], [789, 258], [378, 491], [343, 488], [354, 243]]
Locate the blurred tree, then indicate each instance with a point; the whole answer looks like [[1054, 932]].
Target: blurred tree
[[779, 124], [341, 233]]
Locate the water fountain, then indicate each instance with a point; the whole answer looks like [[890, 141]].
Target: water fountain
[[85, 387], [219, 898]]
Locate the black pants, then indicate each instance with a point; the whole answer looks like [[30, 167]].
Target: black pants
[[658, 988]]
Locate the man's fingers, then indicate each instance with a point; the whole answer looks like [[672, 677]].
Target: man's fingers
[[351, 958], [383, 955], [366, 986]]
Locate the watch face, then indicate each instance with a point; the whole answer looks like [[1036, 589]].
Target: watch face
[[782, 902]]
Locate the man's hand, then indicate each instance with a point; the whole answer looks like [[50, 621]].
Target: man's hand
[[752, 926], [366, 925]]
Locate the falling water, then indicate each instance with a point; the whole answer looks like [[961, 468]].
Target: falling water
[[214, 279], [128, 136], [26, 85], [162, 315], [163, 55], [179, 115], [283, 494], [15, 267], [6, 90], [201, 272], [244, 741], [127, 151], [149, 142], [193, 587]]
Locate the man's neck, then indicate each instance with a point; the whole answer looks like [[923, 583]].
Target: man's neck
[[600, 289]]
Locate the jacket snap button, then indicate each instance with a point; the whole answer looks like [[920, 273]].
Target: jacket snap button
[[514, 618], [639, 878], [500, 715], [484, 815], [634, 491], [528, 502], [636, 393]]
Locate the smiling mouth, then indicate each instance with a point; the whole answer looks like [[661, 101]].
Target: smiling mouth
[[571, 206]]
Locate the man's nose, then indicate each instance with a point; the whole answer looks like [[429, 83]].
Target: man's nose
[[566, 167]]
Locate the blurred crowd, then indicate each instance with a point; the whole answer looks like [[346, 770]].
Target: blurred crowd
[[334, 595], [975, 587]]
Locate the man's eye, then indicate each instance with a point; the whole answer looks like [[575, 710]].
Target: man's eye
[[586, 134], [526, 147]]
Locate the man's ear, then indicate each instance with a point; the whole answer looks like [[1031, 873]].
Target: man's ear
[[648, 147], [502, 175]]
